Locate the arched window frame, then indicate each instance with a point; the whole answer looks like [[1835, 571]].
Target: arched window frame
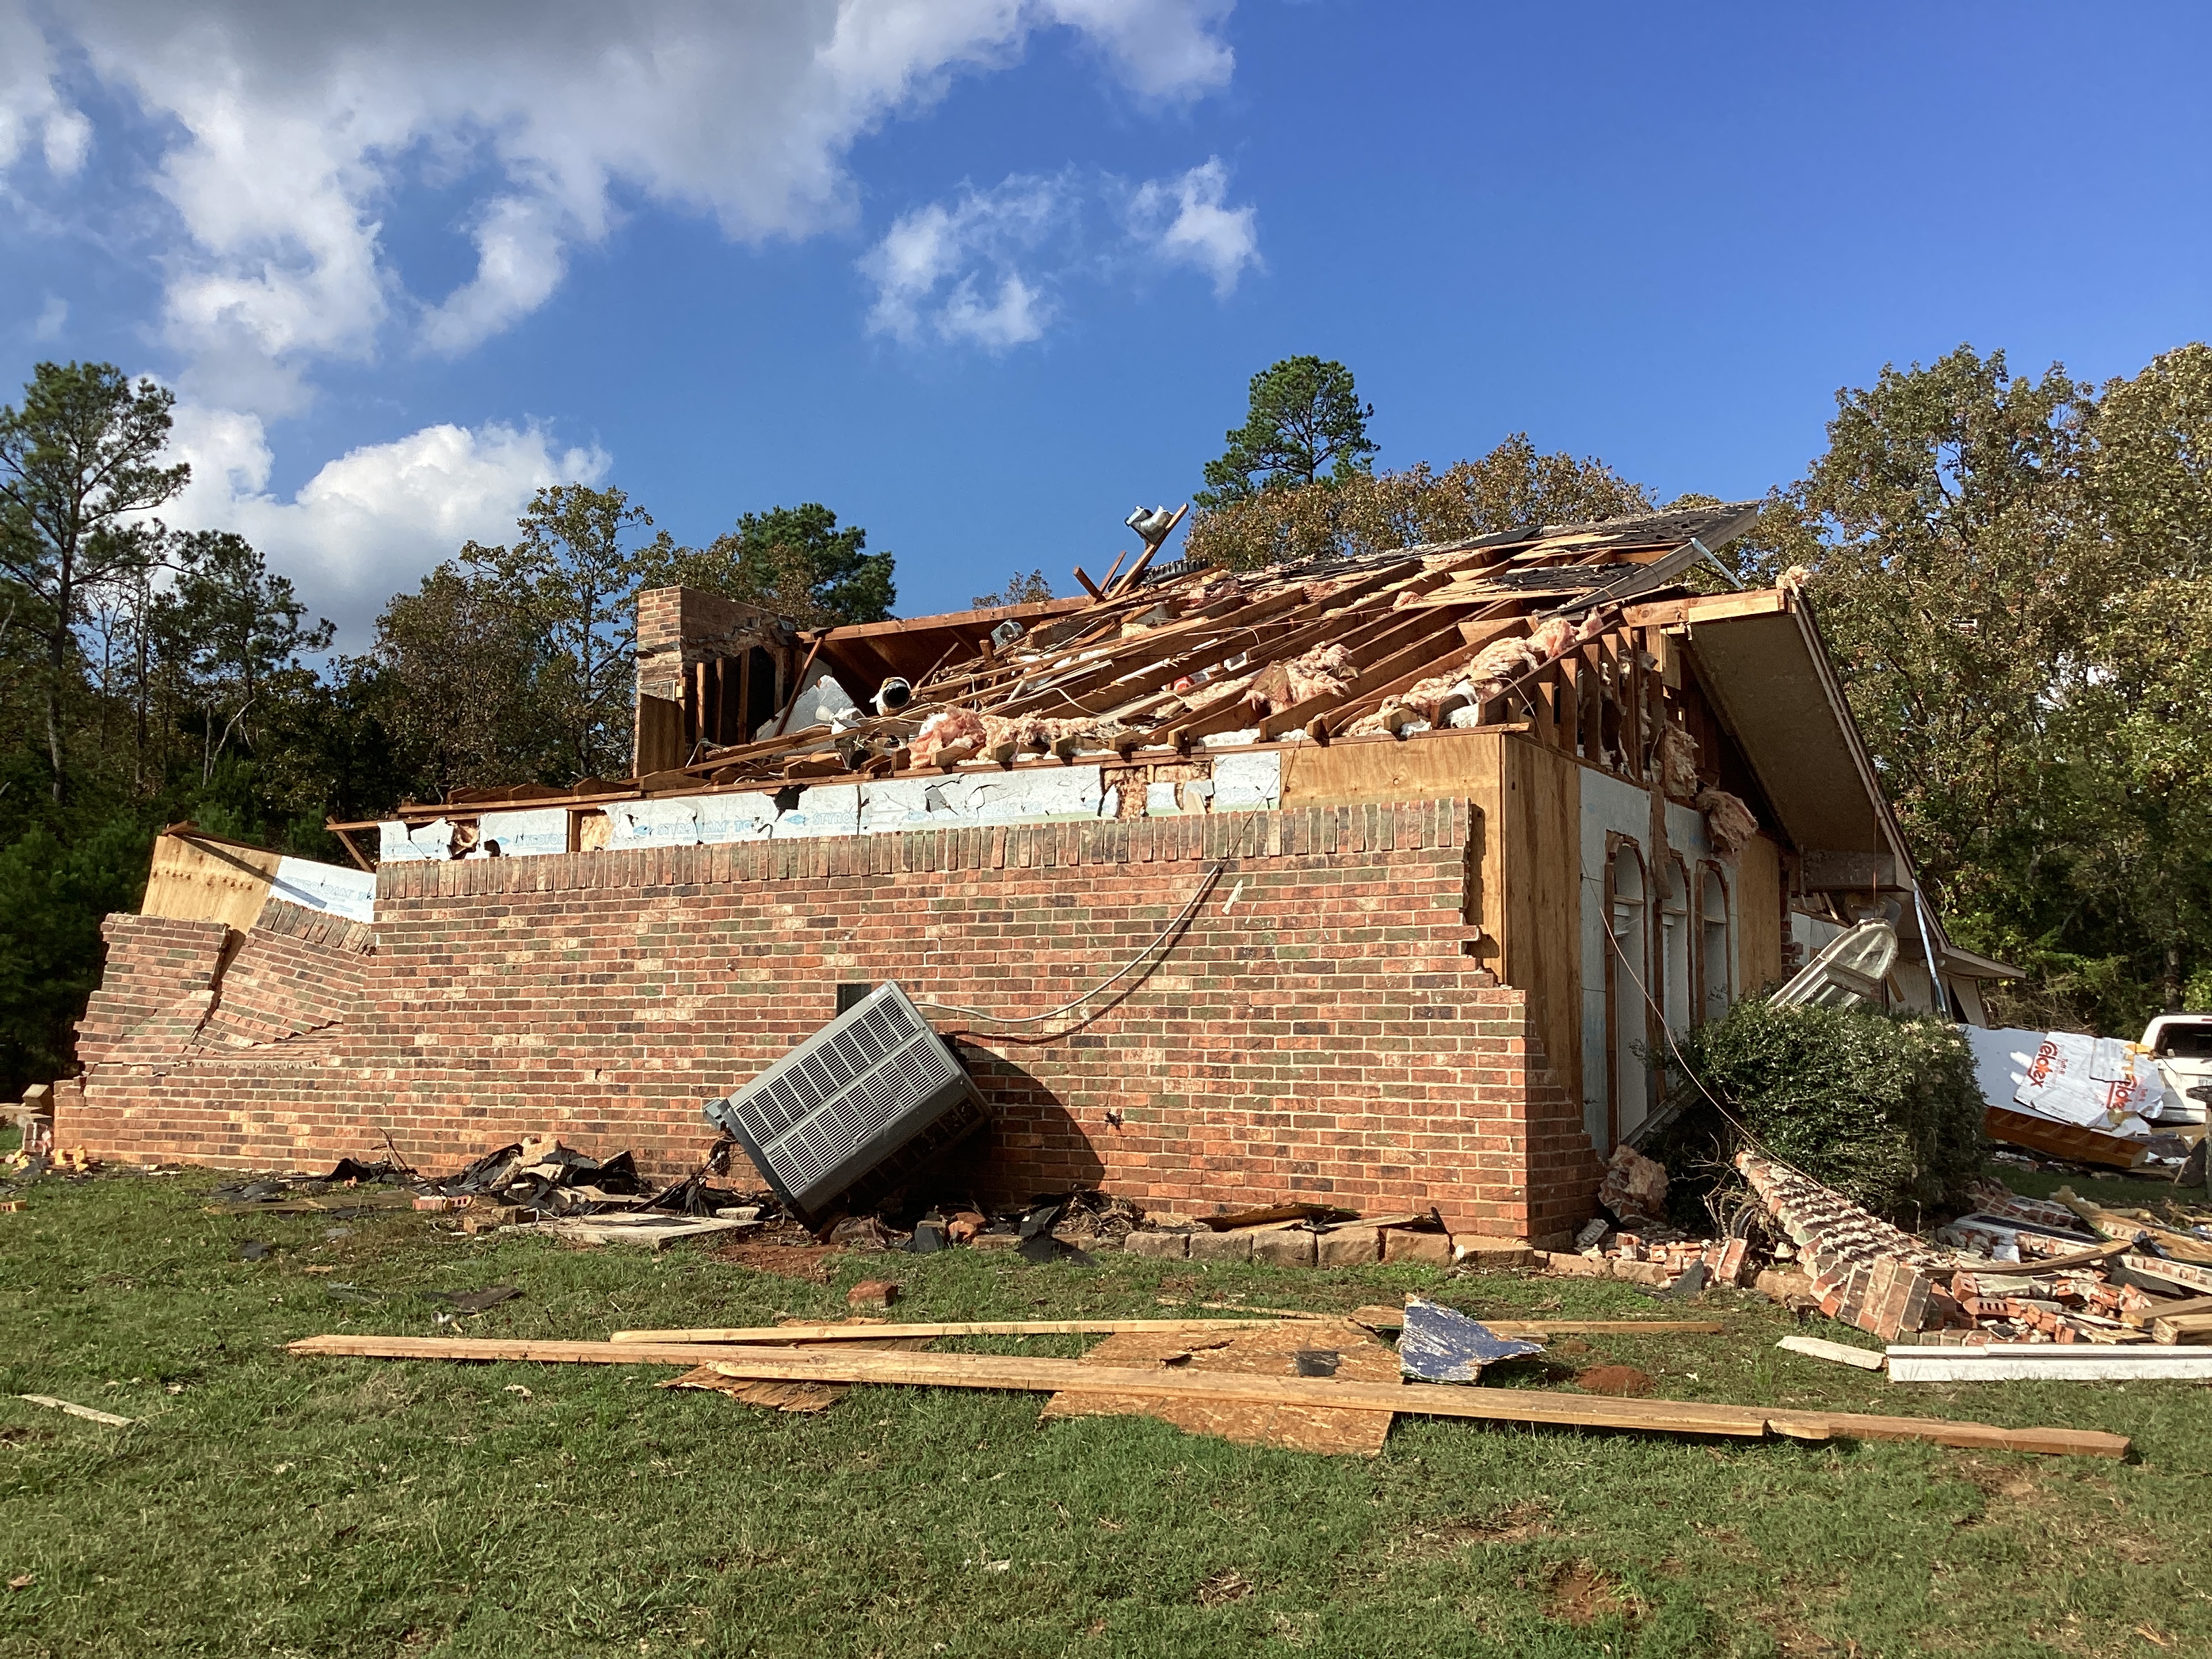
[[1626, 1011], [1712, 884], [1673, 921]]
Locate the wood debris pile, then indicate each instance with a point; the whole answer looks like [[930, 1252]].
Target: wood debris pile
[[1524, 626]]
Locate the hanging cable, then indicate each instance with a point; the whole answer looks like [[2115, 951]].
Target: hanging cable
[[1667, 1032], [1198, 898]]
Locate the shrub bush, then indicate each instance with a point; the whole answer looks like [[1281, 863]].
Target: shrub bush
[[1883, 1107]]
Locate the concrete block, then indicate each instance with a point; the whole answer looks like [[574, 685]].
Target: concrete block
[[1657, 1275], [1163, 1247], [1399, 1245], [1220, 1247], [1349, 1247], [1290, 1248]]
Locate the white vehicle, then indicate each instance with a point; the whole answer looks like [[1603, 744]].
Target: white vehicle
[[2181, 1044]]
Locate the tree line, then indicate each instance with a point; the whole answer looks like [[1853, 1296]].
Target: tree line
[[148, 675], [2011, 573], [2014, 575]]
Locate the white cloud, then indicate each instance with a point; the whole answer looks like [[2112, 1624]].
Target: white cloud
[[977, 242], [375, 520], [297, 128], [1025, 239], [51, 317], [32, 107], [1186, 222]]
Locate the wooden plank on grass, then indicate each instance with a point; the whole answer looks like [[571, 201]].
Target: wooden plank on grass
[[1841, 1353], [750, 1335], [1387, 1318], [993, 1372]]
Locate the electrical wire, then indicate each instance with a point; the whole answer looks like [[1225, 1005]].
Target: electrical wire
[[1667, 1032], [1198, 898]]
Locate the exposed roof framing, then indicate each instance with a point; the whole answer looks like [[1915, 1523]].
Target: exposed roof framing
[[1171, 658]]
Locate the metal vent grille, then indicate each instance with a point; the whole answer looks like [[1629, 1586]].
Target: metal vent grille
[[847, 1102]]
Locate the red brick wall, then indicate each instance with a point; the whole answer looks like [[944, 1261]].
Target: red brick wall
[[1324, 1036]]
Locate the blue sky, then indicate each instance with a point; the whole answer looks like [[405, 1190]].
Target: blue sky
[[402, 266]]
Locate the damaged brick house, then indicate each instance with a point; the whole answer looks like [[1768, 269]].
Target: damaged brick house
[[1410, 860]]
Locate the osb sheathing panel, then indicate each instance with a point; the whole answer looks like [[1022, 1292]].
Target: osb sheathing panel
[[189, 883], [1759, 917], [1429, 766], [1271, 1349], [1540, 876]]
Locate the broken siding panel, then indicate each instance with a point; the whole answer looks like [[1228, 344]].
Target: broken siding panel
[[662, 823], [329, 888], [398, 843], [1030, 796], [1249, 783], [750, 816], [526, 834], [827, 809]]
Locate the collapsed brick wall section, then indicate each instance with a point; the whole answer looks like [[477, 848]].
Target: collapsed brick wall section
[[1318, 1031]]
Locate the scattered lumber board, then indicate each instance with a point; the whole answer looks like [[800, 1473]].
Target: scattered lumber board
[[1843, 1353], [1387, 1318], [1065, 1375], [2059, 1264], [2155, 1272], [2021, 1362], [75, 1410], [1337, 1348], [2172, 1328], [1377, 1318], [780, 1335], [2061, 1141]]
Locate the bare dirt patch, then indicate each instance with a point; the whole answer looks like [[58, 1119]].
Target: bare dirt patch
[[1581, 1595], [1623, 1380], [1516, 1523], [1223, 1587], [807, 1261]]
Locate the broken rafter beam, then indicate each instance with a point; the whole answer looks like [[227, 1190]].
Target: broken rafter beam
[[1071, 1376]]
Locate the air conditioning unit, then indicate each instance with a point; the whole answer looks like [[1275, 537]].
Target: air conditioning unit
[[856, 1109]]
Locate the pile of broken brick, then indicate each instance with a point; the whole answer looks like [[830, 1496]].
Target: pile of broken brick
[[2016, 1270]]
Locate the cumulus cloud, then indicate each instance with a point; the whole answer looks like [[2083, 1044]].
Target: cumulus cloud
[[297, 127], [52, 317], [934, 264], [377, 518], [1186, 222], [983, 268], [33, 111]]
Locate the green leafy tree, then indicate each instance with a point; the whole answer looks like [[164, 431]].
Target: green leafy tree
[[576, 583], [1305, 423], [234, 635], [2011, 571], [54, 893], [1942, 529], [1512, 486], [793, 560], [79, 461], [2136, 732], [1020, 589], [456, 677]]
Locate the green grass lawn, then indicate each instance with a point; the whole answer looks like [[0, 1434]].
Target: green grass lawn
[[268, 1504]]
